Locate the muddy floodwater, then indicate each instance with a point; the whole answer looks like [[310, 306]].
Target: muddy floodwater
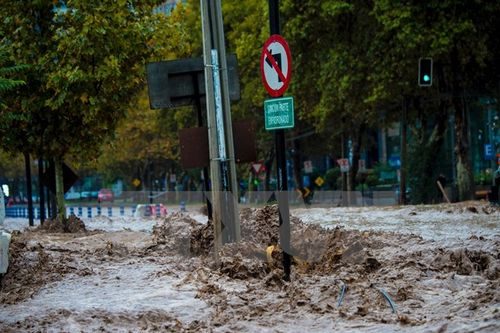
[[428, 268]]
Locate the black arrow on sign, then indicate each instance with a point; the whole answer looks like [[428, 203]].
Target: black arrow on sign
[[277, 59]]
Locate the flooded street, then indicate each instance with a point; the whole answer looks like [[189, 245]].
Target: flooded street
[[432, 222], [388, 269]]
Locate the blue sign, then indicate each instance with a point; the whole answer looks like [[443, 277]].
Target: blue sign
[[488, 151], [395, 161]]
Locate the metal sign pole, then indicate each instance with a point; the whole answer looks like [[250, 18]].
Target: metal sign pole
[[222, 168], [231, 217], [197, 100], [282, 183], [212, 136]]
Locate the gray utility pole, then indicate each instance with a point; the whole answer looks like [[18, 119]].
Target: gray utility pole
[[220, 136]]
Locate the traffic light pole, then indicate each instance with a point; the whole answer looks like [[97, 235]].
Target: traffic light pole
[[282, 182]]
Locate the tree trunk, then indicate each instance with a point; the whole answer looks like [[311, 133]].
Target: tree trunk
[[356, 141], [357, 134], [58, 167], [422, 160], [41, 190], [402, 154], [28, 187], [465, 178]]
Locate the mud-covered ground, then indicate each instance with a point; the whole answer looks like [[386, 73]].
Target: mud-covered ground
[[412, 269]]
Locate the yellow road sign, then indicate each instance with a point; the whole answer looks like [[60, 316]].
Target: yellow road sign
[[319, 181]]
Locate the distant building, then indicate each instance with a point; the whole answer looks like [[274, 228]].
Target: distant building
[[167, 7]]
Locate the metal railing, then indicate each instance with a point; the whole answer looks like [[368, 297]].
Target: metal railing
[[127, 203]]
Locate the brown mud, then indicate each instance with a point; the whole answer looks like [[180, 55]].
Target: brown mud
[[347, 280]]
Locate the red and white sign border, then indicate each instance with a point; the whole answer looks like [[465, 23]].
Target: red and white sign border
[[284, 76]]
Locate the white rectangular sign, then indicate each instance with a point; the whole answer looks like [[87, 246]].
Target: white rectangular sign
[[344, 164]]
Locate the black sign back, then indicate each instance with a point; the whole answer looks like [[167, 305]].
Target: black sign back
[[179, 82]]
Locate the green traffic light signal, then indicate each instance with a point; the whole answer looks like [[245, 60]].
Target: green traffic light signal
[[425, 72]]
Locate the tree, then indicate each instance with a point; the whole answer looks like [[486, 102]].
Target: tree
[[246, 29], [11, 170], [6, 71], [147, 139], [7, 84], [357, 60], [143, 140], [332, 42], [86, 62], [459, 36]]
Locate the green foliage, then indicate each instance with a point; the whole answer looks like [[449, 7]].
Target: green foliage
[[483, 177], [86, 64], [385, 174], [425, 144], [141, 140], [148, 139], [7, 71], [178, 35], [424, 187], [372, 179], [352, 63], [247, 28], [362, 187], [331, 178], [11, 165]]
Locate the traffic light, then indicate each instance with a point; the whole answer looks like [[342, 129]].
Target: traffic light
[[425, 72]]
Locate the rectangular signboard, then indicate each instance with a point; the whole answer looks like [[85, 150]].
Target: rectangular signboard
[[180, 82], [344, 164], [488, 152], [194, 144], [308, 167], [279, 113]]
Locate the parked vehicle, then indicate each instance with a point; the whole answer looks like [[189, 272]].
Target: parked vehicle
[[105, 194], [151, 210], [72, 195], [89, 194]]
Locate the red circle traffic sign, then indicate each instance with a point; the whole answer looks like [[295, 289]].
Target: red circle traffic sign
[[276, 65]]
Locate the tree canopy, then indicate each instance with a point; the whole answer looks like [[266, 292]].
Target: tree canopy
[[86, 61], [354, 63], [7, 71]]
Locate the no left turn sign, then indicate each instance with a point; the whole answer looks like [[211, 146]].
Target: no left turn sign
[[276, 65]]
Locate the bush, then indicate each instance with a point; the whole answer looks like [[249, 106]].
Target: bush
[[331, 177], [483, 177], [384, 174]]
